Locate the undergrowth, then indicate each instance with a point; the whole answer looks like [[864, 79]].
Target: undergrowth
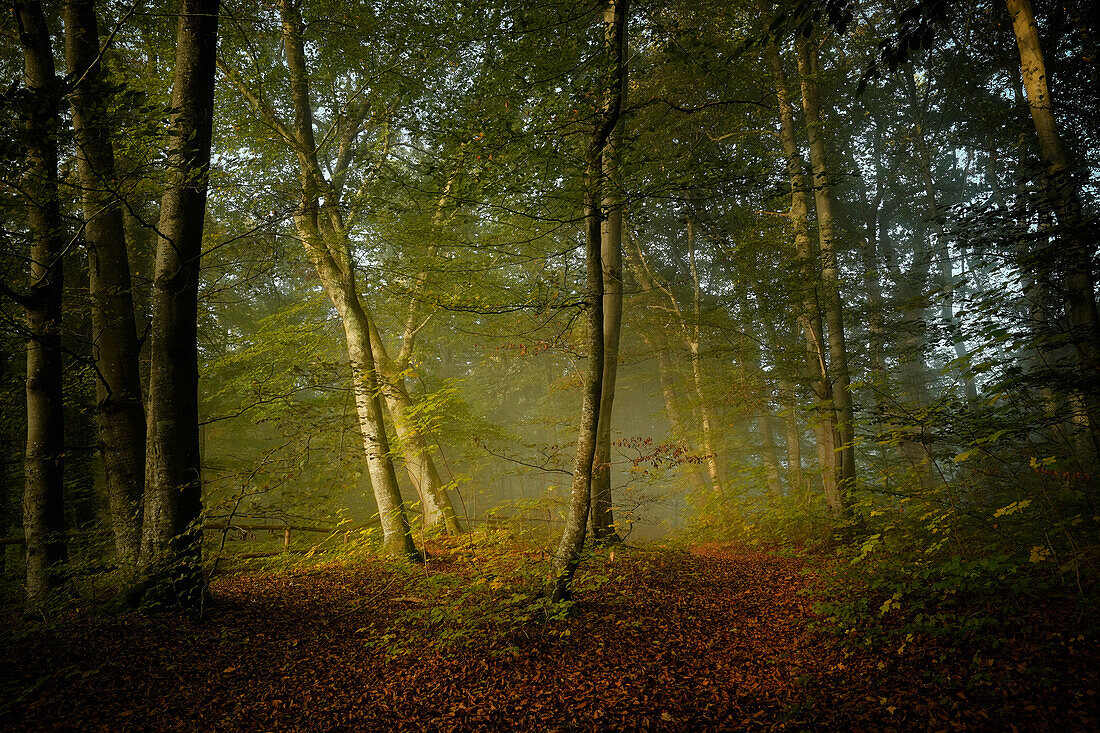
[[484, 589]]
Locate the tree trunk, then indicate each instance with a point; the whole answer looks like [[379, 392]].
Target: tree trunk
[[43, 514], [568, 554], [323, 233], [947, 270], [434, 502], [830, 282], [693, 337], [603, 519], [809, 312], [120, 412], [1080, 301], [793, 435], [769, 453], [396, 532], [675, 418], [571, 545], [171, 547], [659, 346]]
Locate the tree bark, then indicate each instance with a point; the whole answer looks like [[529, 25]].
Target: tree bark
[[120, 412], [571, 545], [1079, 279], [809, 312], [171, 546], [43, 515], [603, 518], [693, 336], [769, 454], [830, 282], [324, 235], [793, 435], [434, 502], [568, 554], [658, 344]]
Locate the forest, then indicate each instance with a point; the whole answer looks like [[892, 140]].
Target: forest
[[549, 365]]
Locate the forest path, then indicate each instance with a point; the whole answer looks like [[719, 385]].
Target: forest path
[[714, 639]]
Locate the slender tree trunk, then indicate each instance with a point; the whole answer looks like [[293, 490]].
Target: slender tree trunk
[[830, 281], [171, 547], [947, 270], [809, 315], [120, 412], [876, 315], [669, 389], [434, 502], [769, 453], [793, 435], [680, 433], [603, 519], [436, 507], [1080, 301], [571, 545], [568, 554], [323, 233], [43, 513], [396, 532], [693, 337], [692, 341]]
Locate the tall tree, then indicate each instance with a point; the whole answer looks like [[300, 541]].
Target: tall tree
[[120, 412], [324, 234], [571, 545], [611, 243], [1061, 190], [809, 73], [171, 547], [43, 516], [808, 307]]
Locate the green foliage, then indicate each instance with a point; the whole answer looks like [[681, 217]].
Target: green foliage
[[488, 593]]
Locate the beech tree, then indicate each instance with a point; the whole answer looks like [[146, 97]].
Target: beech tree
[[43, 519], [571, 546], [1076, 256], [171, 543], [120, 410]]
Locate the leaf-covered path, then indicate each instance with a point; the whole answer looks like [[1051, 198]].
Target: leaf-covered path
[[708, 640]]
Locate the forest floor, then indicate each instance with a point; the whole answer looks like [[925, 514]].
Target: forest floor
[[715, 638]]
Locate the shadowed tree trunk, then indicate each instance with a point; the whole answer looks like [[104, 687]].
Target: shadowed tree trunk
[[571, 545], [1076, 254], [675, 416], [658, 344], [694, 339], [769, 453], [43, 515], [793, 435], [171, 546], [943, 246], [603, 519], [568, 554], [120, 412]]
